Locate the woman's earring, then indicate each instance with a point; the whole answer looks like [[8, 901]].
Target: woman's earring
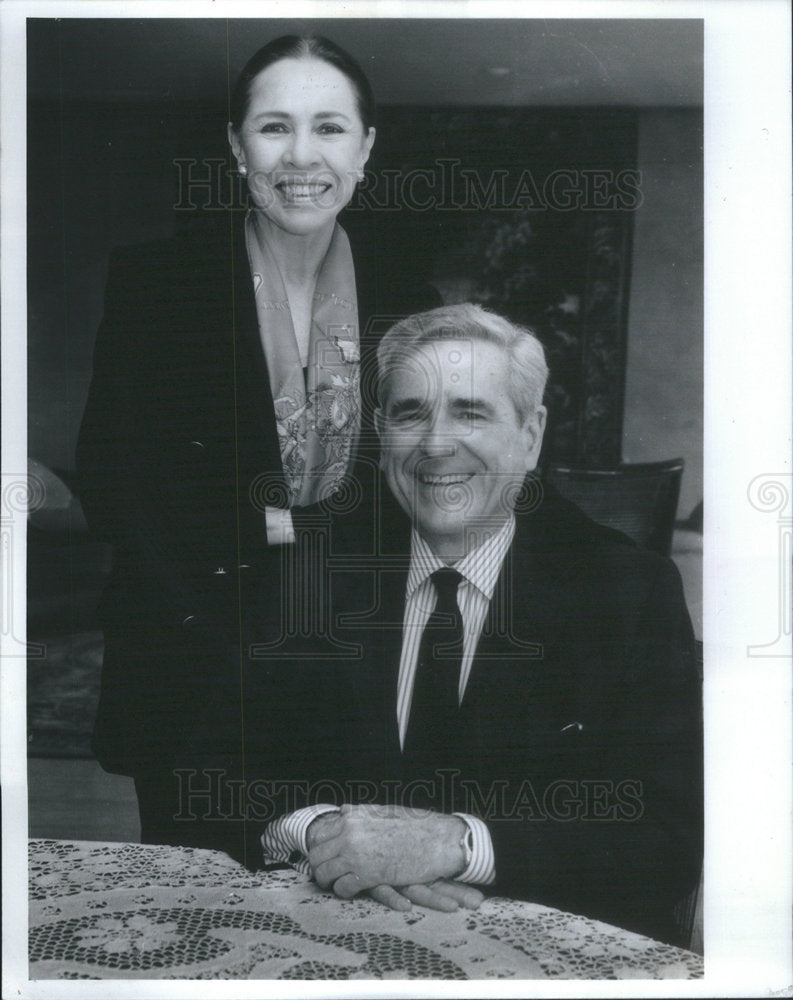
[[243, 169]]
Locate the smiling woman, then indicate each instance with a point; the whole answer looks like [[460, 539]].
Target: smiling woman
[[301, 145], [303, 140], [224, 407]]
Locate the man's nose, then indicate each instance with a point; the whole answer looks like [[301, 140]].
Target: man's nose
[[437, 438]]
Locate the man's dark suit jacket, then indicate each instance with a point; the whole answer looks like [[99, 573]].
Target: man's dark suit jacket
[[178, 454], [579, 736]]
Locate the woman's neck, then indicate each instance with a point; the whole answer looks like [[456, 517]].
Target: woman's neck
[[299, 256]]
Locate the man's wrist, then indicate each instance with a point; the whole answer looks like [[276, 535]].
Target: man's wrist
[[453, 862], [467, 844], [284, 838], [316, 827], [478, 845]]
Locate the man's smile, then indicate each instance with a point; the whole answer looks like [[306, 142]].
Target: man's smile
[[447, 479]]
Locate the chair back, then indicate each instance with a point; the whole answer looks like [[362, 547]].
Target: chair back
[[639, 499]]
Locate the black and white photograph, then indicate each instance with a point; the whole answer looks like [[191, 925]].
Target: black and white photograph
[[373, 590]]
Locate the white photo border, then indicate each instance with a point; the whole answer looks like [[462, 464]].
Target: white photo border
[[748, 864]]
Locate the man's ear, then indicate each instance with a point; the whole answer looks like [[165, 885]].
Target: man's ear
[[379, 426], [379, 422], [534, 429]]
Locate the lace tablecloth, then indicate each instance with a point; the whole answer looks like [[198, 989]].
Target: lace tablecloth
[[113, 911]]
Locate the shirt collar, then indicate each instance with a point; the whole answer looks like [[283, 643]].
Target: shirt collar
[[479, 567]]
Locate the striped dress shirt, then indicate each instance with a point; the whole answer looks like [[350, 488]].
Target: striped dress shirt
[[479, 571]]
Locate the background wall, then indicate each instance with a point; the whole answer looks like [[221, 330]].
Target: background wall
[[99, 176], [664, 378]]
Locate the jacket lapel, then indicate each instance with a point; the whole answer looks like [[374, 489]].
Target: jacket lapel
[[521, 667], [510, 656]]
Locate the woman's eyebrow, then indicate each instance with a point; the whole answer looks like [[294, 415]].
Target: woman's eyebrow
[[332, 114], [320, 115], [271, 114]]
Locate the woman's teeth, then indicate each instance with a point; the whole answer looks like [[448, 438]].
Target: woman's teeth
[[294, 192]]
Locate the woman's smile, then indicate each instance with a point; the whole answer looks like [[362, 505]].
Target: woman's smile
[[297, 191]]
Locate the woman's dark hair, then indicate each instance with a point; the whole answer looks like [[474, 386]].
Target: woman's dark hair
[[300, 47]]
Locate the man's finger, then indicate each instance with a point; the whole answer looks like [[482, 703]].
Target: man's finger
[[328, 872], [347, 886], [324, 851], [425, 895], [466, 895], [324, 827], [390, 897]]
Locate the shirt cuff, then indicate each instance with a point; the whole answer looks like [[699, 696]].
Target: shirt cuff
[[481, 867], [280, 529], [284, 839]]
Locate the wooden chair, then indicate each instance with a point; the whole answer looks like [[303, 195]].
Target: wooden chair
[[638, 499]]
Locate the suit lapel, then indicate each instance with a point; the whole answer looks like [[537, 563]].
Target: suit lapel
[[510, 654], [520, 662]]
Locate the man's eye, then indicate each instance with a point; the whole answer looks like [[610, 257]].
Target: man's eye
[[405, 417]]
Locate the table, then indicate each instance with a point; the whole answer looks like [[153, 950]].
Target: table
[[128, 911]]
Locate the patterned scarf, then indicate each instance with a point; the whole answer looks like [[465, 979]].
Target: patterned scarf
[[318, 415]]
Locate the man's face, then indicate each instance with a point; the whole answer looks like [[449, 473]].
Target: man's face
[[454, 450]]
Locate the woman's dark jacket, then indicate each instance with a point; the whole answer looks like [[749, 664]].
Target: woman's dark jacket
[[177, 457]]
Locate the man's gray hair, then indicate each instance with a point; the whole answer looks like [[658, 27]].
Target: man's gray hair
[[528, 370]]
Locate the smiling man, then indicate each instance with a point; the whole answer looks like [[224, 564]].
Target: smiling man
[[459, 432], [524, 715]]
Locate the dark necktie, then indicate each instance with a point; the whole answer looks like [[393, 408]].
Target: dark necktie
[[434, 706]]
